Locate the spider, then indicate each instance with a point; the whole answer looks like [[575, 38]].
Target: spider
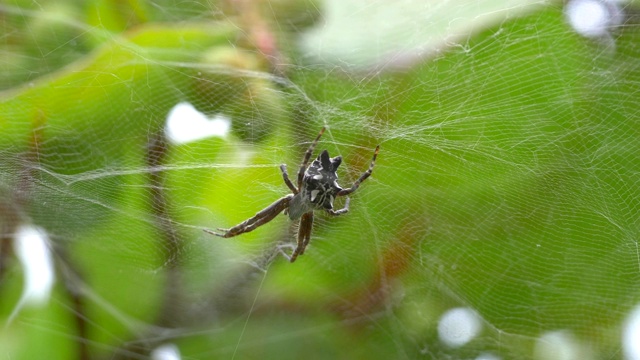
[[317, 189]]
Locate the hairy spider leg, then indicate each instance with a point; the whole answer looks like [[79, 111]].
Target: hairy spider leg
[[285, 177], [362, 178], [304, 235], [307, 156], [260, 218]]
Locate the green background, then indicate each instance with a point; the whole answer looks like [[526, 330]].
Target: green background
[[508, 182]]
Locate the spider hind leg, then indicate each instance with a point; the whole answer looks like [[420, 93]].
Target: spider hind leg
[[304, 235]]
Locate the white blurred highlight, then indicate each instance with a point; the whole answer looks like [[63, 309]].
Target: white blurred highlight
[[166, 352], [459, 326], [186, 124], [593, 18], [31, 245], [488, 356], [631, 335], [559, 345]]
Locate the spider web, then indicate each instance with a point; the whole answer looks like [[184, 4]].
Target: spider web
[[501, 219]]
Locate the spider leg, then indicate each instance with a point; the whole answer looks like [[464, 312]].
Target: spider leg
[[304, 235], [344, 210], [285, 177], [307, 156], [307, 232], [281, 248], [260, 218], [363, 177]]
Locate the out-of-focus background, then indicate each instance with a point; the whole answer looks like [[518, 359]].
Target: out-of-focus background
[[500, 222]]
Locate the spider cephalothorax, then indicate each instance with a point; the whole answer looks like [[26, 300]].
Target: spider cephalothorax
[[317, 189]]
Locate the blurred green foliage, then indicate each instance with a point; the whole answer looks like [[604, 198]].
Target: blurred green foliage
[[507, 182]]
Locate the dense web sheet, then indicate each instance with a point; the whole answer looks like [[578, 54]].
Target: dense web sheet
[[501, 219]]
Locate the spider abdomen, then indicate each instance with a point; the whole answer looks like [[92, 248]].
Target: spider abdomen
[[319, 186]]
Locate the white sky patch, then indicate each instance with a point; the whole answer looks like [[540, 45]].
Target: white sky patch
[[166, 352], [631, 335], [559, 345], [31, 245], [593, 18], [363, 33], [186, 124], [459, 326]]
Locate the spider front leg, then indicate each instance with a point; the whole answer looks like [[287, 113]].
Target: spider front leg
[[363, 177], [285, 177], [307, 156], [344, 210], [304, 235], [260, 218]]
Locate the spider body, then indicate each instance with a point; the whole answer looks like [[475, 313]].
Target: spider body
[[317, 189]]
